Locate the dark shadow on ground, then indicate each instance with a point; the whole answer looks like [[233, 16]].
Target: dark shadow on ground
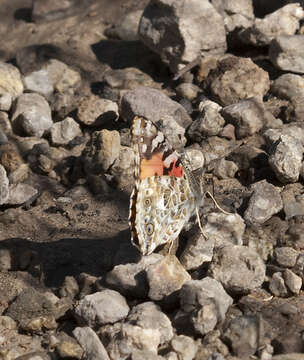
[[71, 257], [120, 54]]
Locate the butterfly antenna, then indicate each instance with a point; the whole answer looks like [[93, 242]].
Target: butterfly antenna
[[200, 224], [217, 205]]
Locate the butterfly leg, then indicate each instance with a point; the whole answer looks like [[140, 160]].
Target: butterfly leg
[[200, 224], [217, 205]]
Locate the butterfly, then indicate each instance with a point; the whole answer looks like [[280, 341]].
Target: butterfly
[[166, 192]]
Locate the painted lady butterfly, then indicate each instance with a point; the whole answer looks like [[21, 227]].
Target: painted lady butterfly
[[166, 193]]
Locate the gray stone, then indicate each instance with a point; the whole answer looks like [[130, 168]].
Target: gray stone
[[284, 21], [162, 18], [290, 356], [68, 347], [209, 122], [273, 135], [243, 335], [286, 256], [184, 346], [247, 116], [130, 279], [39, 82], [197, 252], [264, 202], [187, 90], [105, 148], [21, 193], [165, 277], [224, 229], [225, 169], [237, 14], [90, 343], [103, 307], [231, 261], [214, 148], [292, 281], [277, 285], [10, 80], [128, 27], [64, 131], [33, 311], [5, 124], [5, 102], [286, 53], [31, 115], [141, 102], [205, 303], [19, 175], [69, 287], [286, 158], [236, 79], [196, 158], [149, 316], [94, 111], [35, 355], [4, 186]]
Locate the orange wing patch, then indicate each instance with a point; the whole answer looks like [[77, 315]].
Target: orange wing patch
[[155, 167]]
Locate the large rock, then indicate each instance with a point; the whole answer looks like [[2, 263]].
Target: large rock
[[4, 186], [31, 115], [179, 31], [286, 158], [204, 304], [284, 21], [286, 52], [10, 80], [239, 268], [263, 204], [238, 78], [103, 307]]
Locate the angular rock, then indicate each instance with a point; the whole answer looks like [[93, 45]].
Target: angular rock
[[68, 347], [94, 111], [130, 279], [277, 285], [197, 252], [103, 307], [273, 135], [105, 149], [131, 338], [286, 256], [64, 131], [127, 29], [90, 343], [292, 281], [184, 346], [215, 147], [21, 193], [247, 116], [209, 122], [224, 229], [286, 158], [263, 204], [69, 287], [284, 21], [149, 316], [5, 101], [10, 159], [236, 79], [4, 186], [6, 260], [33, 311], [231, 261], [187, 90], [204, 303], [225, 169], [161, 19], [39, 82], [237, 15], [141, 102], [196, 158], [5, 124], [243, 335], [165, 277], [31, 115], [10, 80], [286, 53]]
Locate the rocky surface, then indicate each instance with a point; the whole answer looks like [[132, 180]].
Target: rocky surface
[[222, 80]]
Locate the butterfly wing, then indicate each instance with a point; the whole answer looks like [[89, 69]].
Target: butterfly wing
[[162, 200]]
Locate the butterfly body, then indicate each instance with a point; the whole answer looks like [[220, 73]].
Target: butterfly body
[[165, 195]]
